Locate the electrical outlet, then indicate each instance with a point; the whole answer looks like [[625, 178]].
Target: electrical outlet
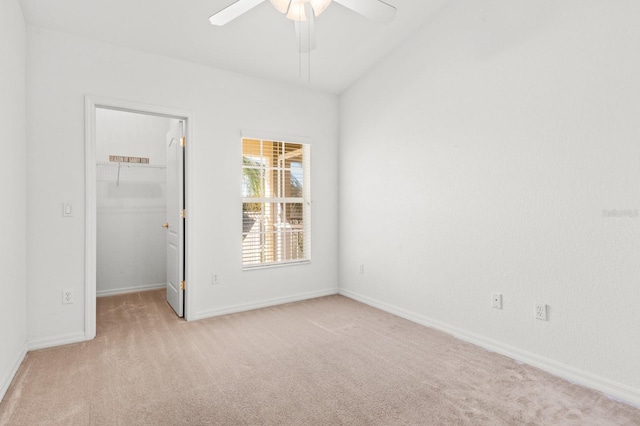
[[67, 297], [214, 279], [362, 269], [541, 311], [496, 300]]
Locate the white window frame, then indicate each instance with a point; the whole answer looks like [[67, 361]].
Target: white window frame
[[305, 200]]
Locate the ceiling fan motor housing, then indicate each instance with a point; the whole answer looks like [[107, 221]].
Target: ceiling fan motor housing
[[295, 9]]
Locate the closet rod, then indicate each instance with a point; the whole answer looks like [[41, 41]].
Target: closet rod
[[120, 165]]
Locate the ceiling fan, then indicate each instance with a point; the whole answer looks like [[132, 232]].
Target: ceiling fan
[[304, 12]]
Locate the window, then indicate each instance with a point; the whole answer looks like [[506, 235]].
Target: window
[[275, 202]]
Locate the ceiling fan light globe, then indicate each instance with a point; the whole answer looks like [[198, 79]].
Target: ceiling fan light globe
[[297, 10], [319, 6], [281, 6]]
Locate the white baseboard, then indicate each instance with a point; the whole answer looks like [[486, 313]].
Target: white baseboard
[[8, 377], [125, 290], [612, 389], [225, 310], [50, 342]]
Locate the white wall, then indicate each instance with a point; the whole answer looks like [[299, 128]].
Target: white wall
[[131, 202], [479, 157], [131, 134], [12, 190], [62, 70]]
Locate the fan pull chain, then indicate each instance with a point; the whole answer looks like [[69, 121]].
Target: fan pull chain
[[309, 46], [299, 54]]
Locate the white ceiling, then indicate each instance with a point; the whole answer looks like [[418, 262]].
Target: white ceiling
[[261, 42]]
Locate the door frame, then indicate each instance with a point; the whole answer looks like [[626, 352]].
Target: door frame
[[91, 104]]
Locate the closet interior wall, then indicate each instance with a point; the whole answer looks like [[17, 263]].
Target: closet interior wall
[[131, 202]]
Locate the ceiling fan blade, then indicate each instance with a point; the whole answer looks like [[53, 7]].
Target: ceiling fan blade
[[376, 10], [232, 11], [306, 31]]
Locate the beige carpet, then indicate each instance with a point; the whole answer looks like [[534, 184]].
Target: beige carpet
[[328, 361]]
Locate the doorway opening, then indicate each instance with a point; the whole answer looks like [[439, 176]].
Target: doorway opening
[[131, 201], [135, 203]]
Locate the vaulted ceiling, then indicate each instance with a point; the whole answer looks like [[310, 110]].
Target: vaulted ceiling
[[261, 42]]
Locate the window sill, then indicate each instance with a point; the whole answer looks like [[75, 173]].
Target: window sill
[[275, 265]]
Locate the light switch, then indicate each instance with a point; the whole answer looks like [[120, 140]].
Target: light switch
[[67, 211]]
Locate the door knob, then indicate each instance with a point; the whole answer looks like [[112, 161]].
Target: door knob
[[166, 225]]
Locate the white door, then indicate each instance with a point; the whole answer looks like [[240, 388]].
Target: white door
[[175, 219]]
